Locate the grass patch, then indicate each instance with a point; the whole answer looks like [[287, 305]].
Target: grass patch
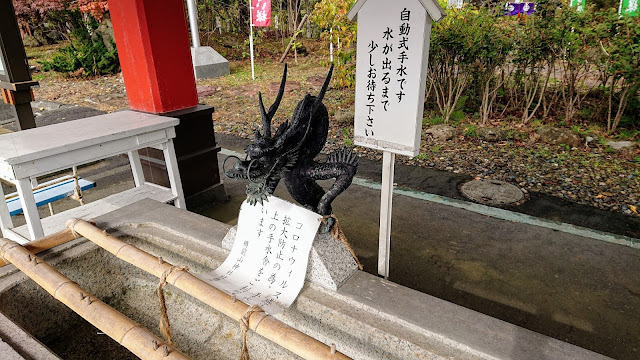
[[432, 120], [347, 136], [470, 131]]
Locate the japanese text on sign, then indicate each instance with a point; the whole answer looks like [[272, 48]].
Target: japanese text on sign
[[268, 262], [391, 75]]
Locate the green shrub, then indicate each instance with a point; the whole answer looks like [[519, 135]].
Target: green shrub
[[456, 117], [84, 53], [618, 62], [490, 60], [331, 15], [453, 50], [585, 66]]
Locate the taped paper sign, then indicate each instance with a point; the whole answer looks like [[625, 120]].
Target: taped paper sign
[[268, 262]]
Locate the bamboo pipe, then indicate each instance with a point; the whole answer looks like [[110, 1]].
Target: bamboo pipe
[[48, 242], [125, 331], [267, 326]]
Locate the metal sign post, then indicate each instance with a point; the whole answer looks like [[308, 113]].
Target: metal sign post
[[253, 74], [391, 73], [192, 9], [261, 10]]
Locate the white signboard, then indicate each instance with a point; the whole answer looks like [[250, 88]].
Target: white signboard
[[391, 68], [1, 65], [268, 262]]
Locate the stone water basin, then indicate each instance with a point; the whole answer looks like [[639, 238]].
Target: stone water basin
[[367, 318], [198, 330]]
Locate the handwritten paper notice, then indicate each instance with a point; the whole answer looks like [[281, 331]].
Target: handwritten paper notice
[[268, 262]]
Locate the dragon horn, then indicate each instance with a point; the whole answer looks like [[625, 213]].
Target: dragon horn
[[267, 117], [273, 108], [266, 120], [325, 86]]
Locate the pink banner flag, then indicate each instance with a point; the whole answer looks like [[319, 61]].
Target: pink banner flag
[[261, 14]]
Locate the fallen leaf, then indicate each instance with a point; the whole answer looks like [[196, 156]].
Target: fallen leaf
[[634, 209]]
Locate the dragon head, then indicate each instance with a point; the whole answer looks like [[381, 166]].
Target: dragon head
[[259, 159], [270, 155]]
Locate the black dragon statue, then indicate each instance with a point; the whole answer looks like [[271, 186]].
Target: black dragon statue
[[290, 154]]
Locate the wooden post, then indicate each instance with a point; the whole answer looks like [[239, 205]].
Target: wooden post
[[155, 55], [293, 38], [15, 77], [386, 202]]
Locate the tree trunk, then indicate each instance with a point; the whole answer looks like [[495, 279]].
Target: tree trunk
[[293, 15]]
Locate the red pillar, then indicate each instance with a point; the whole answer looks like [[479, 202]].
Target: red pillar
[[155, 55]]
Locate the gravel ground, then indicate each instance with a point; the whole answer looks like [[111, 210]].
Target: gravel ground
[[102, 93], [590, 174]]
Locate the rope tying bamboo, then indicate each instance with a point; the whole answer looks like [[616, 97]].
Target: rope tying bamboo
[[77, 191], [339, 235], [244, 352], [165, 326], [73, 223]]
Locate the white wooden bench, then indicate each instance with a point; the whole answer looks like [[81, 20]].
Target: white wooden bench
[[30, 153]]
